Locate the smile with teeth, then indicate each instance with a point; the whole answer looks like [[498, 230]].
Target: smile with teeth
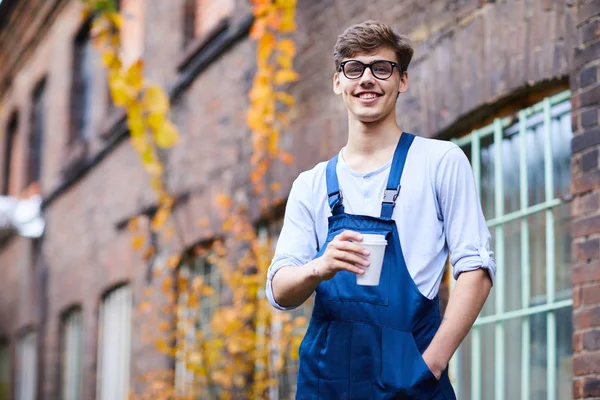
[[368, 95]]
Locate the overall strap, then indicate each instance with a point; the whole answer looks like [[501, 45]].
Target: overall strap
[[392, 189], [333, 187]]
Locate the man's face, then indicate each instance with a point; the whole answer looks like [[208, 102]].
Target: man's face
[[370, 97]]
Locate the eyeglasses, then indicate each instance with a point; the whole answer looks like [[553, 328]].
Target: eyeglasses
[[381, 69]]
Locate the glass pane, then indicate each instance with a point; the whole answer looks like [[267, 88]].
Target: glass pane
[[564, 367], [488, 361], [562, 252], [512, 265], [535, 165], [487, 178], [71, 363], [512, 361], [537, 254], [463, 383], [537, 382], [561, 154], [510, 172]]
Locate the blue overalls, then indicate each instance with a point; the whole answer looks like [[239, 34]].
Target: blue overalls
[[365, 342]]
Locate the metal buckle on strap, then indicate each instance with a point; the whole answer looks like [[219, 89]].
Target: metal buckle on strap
[[390, 195], [340, 197]]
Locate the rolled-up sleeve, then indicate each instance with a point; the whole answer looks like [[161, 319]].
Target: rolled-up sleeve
[[297, 243], [467, 234]]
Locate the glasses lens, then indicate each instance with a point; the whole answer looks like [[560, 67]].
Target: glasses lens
[[382, 69], [353, 69]]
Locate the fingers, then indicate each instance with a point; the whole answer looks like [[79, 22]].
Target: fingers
[[351, 247], [349, 235], [345, 266], [350, 257], [344, 253]]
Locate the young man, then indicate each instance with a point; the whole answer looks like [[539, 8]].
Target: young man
[[385, 341]]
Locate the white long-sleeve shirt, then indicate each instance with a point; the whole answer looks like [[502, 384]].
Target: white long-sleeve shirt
[[438, 211]]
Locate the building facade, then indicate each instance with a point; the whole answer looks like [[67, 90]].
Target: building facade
[[514, 83]]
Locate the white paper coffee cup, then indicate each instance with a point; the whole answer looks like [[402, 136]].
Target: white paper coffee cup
[[376, 245], [371, 237]]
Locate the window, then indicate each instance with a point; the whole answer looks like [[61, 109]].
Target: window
[[114, 345], [72, 342], [81, 89], [195, 319], [27, 367], [37, 133], [286, 377], [520, 346], [200, 17], [4, 371], [11, 133]]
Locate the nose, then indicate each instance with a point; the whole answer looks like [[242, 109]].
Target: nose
[[367, 76]]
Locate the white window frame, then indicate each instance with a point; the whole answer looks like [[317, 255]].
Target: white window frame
[[550, 109], [286, 387], [186, 381], [114, 345], [71, 355], [27, 359]]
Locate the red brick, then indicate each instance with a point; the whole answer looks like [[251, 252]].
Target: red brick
[[586, 204], [589, 160], [591, 387], [588, 138], [590, 294], [576, 297], [586, 226], [586, 272], [577, 341], [586, 250], [591, 95], [587, 53], [577, 388], [589, 117], [586, 364], [585, 182], [587, 318], [591, 340], [588, 76]]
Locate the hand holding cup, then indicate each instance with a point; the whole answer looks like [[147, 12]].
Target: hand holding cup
[[343, 253]]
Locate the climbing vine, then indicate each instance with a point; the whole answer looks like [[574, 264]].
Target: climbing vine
[[235, 354]]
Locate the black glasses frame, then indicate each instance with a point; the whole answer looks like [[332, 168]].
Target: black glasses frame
[[370, 66]]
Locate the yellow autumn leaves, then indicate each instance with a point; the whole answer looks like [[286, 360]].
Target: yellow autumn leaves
[[269, 108], [233, 354], [146, 105]]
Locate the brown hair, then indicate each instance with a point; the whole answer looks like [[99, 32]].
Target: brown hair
[[368, 37]]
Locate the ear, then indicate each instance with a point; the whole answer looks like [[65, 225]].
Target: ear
[[337, 89], [403, 83]]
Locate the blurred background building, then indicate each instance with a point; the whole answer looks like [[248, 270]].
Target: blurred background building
[[515, 83]]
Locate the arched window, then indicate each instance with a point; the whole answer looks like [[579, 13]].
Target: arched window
[[520, 346], [71, 354], [114, 345]]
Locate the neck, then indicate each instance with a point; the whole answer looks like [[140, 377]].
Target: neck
[[370, 145]]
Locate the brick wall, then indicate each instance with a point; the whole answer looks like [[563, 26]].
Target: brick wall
[[469, 54], [586, 206]]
